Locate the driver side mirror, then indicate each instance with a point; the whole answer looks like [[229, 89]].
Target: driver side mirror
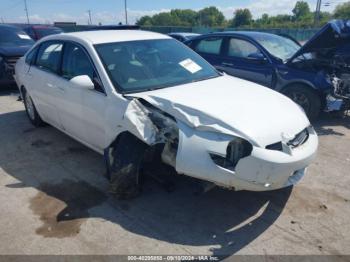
[[83, 82], [257, 57]]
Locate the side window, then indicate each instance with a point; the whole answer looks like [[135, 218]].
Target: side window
[[210, 45], [76, 62], [241, 48], [31, 56], [49, 56]]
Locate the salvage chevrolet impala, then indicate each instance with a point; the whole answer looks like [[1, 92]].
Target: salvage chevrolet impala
[[134, 96]]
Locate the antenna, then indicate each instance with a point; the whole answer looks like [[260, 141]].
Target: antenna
[[26, 9]]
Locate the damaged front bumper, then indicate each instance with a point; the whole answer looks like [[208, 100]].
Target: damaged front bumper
[[262, 170]]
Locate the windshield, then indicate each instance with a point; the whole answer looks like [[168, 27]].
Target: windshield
[[278, 46], [10, 37], [136, 66], [191, 36]]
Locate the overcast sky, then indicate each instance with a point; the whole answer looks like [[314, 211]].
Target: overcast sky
[[112, 11]]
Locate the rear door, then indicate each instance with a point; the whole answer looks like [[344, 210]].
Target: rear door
[[42, 77], [210, 48], [245, 60]]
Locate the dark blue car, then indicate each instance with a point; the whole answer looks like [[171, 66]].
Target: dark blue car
[[14, 43], [315, 75]]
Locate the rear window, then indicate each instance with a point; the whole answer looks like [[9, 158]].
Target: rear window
[[14, 37], [210, 45], [41, 32]]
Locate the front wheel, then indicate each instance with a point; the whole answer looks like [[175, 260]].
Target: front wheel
[[32, 113], [306, 98]]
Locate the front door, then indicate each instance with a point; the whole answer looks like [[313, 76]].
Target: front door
[[82, 111], [244, 60]]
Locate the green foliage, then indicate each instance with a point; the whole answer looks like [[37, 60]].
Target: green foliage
[[211, 17], [301, 10], [242, 17], [301, 17], [342, 11]]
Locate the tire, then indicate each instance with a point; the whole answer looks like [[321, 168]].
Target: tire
[[31, 111], [305, 97], [128, 156]]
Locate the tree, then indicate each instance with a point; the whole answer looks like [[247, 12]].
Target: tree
[[164, 19], [185, 17], [325, 17], [144, 21], [342, 11], [301, 10], [210, 16], [242, 17]]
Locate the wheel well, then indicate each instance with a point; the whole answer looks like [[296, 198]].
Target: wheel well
[[309, 87], [117, 138]]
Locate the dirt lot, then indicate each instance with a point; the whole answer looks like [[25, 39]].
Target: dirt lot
[[54, 200]]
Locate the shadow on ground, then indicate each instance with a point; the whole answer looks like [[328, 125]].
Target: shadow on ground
[[325, 123], [71, 189]]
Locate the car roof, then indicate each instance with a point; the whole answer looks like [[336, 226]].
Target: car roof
[[113, 27], [109, 36], [244, 33], [5, 26], [183, 33], [43, 27]]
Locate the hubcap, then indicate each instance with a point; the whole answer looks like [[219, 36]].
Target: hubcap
[[301, 99], [29, 106]]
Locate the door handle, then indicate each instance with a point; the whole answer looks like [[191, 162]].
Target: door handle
[[227, 64]]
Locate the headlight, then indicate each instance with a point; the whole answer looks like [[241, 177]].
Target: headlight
[[236, 150]]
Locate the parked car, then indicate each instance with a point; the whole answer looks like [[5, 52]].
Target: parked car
[[14, 43], [37, 32], [315, 75], [182, 37], [131, 94]]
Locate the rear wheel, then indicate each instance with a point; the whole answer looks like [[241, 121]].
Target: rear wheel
[[32, 113], [305, 97]]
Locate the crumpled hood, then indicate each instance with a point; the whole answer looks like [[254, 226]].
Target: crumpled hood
[[334, 34], [232, 106]]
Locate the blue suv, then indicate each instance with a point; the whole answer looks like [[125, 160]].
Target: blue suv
[[316, 75]]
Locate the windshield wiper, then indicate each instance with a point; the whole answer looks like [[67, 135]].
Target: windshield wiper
[[204, 78]]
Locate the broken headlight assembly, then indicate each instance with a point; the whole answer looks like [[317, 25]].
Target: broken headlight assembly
[[167, 130], [237, 149], [341, 86], [167, 134]]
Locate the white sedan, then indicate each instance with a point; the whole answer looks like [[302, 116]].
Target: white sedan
[[134, 96]]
